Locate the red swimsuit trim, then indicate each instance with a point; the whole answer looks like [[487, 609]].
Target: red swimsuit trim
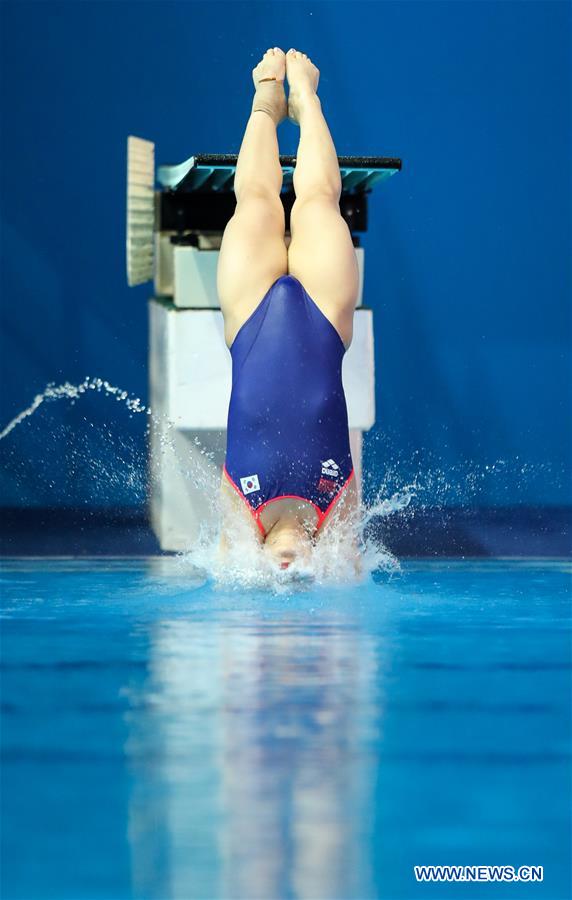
[[256, 512]]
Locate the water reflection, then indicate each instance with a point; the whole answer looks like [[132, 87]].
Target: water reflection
[[248, 756]]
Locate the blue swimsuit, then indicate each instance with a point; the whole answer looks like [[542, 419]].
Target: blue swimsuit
[[287, 420]]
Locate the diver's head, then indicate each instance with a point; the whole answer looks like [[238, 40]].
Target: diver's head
[[289, 541]]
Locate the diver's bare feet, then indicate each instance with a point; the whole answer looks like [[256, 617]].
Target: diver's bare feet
[[303, 77], [268, 77]]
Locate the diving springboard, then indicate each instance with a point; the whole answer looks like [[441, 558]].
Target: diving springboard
[[214, 172], [196, 198]]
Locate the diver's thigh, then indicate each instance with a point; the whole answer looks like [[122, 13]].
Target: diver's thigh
[[345, 511], [236, 518], [322, 257], [252, 256]]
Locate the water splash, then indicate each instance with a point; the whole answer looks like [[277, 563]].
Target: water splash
[[246, 563], [67, 391], [343, 555], [128, 468], [428, 486]]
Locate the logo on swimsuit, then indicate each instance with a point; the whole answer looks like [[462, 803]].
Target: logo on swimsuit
[[330, 468], [250, 484], [326, 486]]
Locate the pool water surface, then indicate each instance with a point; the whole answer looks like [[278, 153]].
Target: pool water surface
[[163, 738]]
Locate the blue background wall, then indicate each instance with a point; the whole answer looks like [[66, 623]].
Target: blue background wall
[[467, 257]]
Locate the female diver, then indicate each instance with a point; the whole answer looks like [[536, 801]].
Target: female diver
[[288, 314]]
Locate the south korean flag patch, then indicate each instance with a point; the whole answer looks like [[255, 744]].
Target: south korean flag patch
[[249, 484]]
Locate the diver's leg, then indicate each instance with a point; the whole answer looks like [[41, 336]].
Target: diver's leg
[[237, 522], [321, 253], [343, 523], [253, 251]]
